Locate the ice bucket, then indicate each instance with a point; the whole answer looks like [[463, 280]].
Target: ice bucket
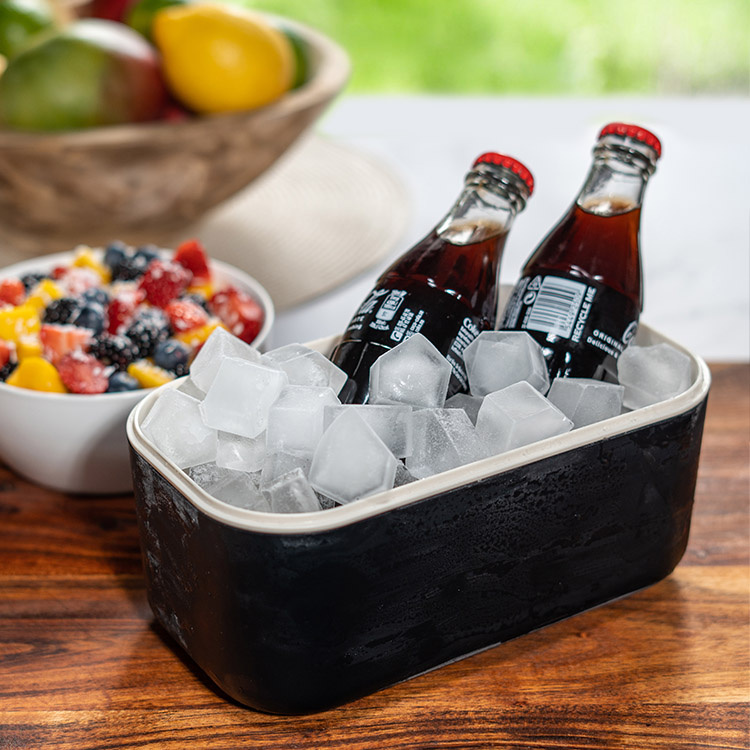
[[298, 613]]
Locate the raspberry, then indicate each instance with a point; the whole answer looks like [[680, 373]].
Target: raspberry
[[82, 373], [164, 281], [149, 328], [121, 309], [119, 351], [184, 315], [192, 255]]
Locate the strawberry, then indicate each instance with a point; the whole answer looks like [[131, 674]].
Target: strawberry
[[82, 373], [121, 309], [59, 340], [192, 255], [185, 315], [242, 315], [163, 281], [12, 291]]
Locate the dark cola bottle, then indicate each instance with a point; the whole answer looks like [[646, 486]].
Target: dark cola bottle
[[445, 287], [580, 294]]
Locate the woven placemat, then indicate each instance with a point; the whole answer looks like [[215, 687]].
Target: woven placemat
[[319, 217]]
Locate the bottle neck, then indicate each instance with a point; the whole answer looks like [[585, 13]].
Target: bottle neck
[[617, 179], [485, 208]]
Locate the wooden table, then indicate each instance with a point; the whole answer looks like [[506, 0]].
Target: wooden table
[[82, 664]]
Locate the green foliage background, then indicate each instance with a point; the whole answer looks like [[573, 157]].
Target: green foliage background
[[567, 47]]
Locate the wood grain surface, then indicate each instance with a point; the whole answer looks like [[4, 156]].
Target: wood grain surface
[[84, 666]]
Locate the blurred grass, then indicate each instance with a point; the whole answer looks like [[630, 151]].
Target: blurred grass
[[574, 47]]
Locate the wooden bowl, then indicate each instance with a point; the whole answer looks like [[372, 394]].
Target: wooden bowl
[[57, 190]]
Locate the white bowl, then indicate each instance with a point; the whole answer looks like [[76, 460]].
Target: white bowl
[[77, 443]]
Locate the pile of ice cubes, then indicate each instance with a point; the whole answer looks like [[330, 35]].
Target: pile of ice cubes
[[268, 432]]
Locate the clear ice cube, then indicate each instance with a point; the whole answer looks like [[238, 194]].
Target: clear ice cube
[[497, 359], [403, 476], [218, 345], [585, 401], [443, 440], [295, 421], [292, 493], [240, 453], [516, 416], [392, 424], [470, 404], [241, 396], [237, 488], [305, 366], [653, 373], [414, 373], [351, 461], [174, 425], [278, 464]]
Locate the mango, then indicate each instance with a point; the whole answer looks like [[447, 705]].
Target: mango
[[91, 73]]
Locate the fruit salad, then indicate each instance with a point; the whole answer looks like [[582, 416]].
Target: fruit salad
[[116, 319]]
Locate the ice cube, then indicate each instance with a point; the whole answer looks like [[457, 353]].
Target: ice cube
[[653, 373], [174, 425], [240, 453], [292, 493], [497, 359], [443, 440], [351, 461], [295, 421], [305, 366], [241, 396], [392, 424], [218, 345], [414, 372], [518, 415], [236, 488], [585, 401], [403, 476], [470, 404], [187, 386], [278, 464]]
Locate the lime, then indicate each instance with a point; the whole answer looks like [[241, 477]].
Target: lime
[[301, 59], [20, 21], [141, 15]]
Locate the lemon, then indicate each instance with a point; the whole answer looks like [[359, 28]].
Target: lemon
[[221, 59]]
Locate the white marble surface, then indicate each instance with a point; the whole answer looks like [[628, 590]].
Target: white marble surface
[[695, 228]]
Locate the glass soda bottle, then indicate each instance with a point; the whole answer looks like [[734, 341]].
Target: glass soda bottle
[[445, 287], [580, 293]]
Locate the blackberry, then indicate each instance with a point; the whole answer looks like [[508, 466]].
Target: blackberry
[[7, 369], [120, 381], [147, 252], [60, 310], [130, 268], [113, 350], [89, 315], [30, 280], [150, 327], [172, 355]]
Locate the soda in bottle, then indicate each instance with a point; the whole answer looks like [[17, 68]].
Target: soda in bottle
[[446, 286], [580, 293]]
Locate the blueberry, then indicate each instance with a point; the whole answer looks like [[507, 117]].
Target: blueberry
[[129, 268], [89, 315], [115, 253], [120, 381], [172, 355], [30, 280], [147, 253], [60, 310], [96, 294]]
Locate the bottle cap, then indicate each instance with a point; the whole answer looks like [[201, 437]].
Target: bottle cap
[[508, 162], [636, 132]]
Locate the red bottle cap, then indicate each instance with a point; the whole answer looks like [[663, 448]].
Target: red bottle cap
[[633, 131], [508, 162]]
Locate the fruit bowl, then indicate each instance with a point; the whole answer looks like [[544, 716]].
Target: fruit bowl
[[76, 443], [58, 189]]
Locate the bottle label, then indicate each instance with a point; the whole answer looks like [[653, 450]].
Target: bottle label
[[391, 315], [583, 313]]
